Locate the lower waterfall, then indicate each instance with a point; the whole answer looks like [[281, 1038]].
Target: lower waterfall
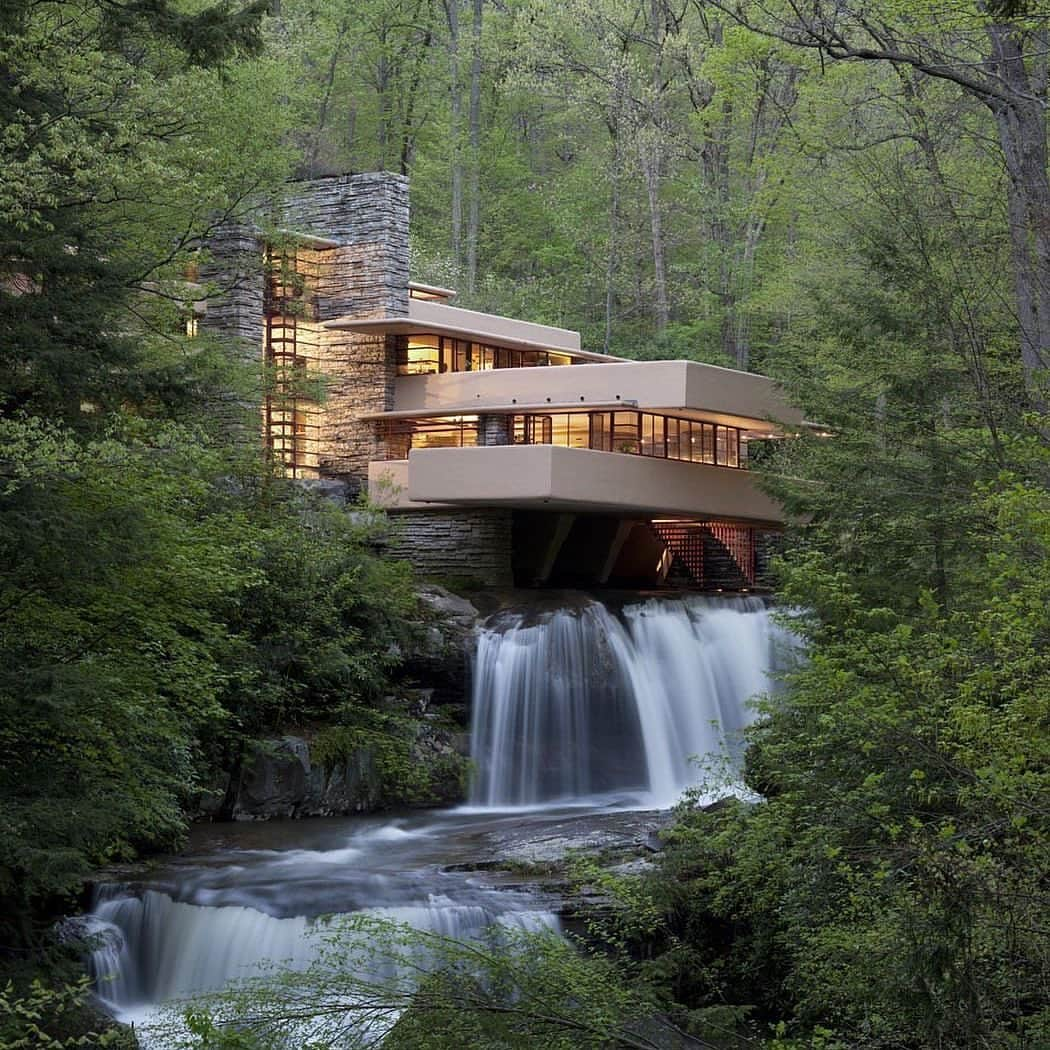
[[153, 949], [582, 703]]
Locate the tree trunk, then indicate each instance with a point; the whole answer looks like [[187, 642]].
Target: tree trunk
[[612, 254], [651, 167], [474, 131], [408, 128], [1023, 138], [383, 89], [313, 154], [736, 330], [966, 333], [652, 146], [455, 130]]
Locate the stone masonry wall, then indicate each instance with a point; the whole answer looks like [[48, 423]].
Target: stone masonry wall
[[232, 271], [360, 372], [475, 543], [367, 276], [494, 430]]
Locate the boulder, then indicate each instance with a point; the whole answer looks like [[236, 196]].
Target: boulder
[[274, 780], [442, 643]]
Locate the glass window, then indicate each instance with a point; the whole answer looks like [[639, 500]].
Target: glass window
[[454, 432], [671, 426], [626, 436], [448, 355], [419, 355], [708, 443], [397, 445], [653, 435], [642, 433], [559, 430], [600, 431], [461, 355], [579, 435], [690, 438], [732, 447]]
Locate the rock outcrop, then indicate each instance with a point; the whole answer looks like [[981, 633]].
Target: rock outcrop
[[443, 644], [282, 778]]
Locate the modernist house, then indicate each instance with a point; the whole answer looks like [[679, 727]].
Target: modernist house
[[506, 451]]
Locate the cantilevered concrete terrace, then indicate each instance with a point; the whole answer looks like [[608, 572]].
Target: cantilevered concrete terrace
[[550, 477]]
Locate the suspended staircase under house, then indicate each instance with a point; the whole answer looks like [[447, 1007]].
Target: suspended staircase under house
[[710, 555]]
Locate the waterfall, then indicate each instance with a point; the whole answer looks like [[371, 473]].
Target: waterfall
[[580, 703], [162, 949], [153, 951]]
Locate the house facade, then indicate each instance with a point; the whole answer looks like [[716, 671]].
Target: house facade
[[504, 451]]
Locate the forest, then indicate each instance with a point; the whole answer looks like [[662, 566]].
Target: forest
[[850, 196]]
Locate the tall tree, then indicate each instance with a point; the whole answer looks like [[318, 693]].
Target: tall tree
[[993, 52]]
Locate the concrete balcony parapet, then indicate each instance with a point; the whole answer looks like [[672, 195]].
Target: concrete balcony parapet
[[721, 395], [551, 477]]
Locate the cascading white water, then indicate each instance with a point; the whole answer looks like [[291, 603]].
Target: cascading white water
[[215, 924], [161, 949], [581, 703], [154, 949]]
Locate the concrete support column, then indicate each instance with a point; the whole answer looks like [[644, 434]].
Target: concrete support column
[[615, 547], [562, 528], [538, 540]]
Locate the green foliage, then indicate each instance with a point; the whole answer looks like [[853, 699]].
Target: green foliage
[[50, 1018], [105, 638], [315, 626], [163, 601], [887, 891], [116, 158], [426, 991], [384, 743], [158, 609]]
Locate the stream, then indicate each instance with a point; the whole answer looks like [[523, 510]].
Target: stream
[[584, 722]]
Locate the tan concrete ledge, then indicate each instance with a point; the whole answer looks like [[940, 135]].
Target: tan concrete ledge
[[388, 487], [686, 388], [501, 410], [551, 477], [430, 291], [432, 316]]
